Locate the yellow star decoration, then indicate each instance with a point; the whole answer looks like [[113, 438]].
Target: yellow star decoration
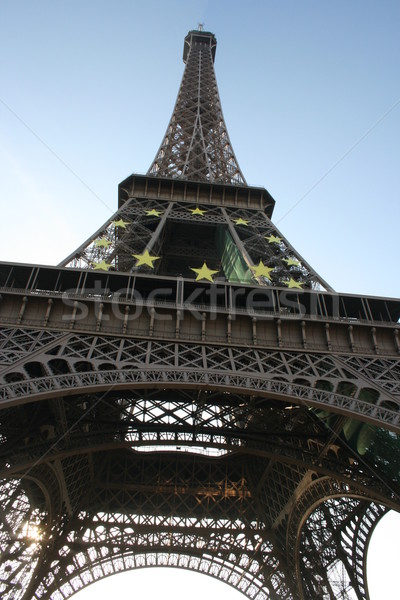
[[261, 270], [241, 221], [145, 259], [273, 239], [103, 243], [291, 262], [293, 284], [121, 223], [101, 266], [204, 272], [153, 213], [197, 211]]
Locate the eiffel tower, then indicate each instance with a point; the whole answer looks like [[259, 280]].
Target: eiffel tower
[[185, 390]]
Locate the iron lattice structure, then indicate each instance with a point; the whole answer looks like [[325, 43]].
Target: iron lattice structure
[[185, 390], [196, 145]]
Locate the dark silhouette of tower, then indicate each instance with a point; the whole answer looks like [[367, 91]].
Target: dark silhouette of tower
[[185, 390]]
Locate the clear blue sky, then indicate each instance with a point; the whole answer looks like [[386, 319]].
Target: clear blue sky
[[311, 97]]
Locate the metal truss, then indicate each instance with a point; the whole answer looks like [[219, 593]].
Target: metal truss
[[81, 361], [150, 232], [257, 443], [196, 145], [121, 452], [225, 516], [330, 552]]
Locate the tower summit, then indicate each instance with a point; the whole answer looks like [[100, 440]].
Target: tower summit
[[185, 390], [196, 145]]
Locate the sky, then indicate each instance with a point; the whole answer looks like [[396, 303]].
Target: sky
[[311, 97]]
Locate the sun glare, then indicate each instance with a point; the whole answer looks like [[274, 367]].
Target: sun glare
[[32, 532]]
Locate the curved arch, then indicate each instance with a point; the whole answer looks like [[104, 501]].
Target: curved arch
[[349, 541], [25, 526], [35, 369], [235, 576], [58, 366], [82, 366], [393, 406], [14, 376], [96, 548], [317, 492], [248, 383], [47, 480], [161, 582], [232, 547]]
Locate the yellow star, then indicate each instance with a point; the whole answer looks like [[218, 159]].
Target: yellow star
[[273, 239], [261, 270], [204, 272], [121, 223], [103, 243], [241, 221], [293, 284], [101, 266], [153, 213], [292, 261], [197, 211], [145, 259]]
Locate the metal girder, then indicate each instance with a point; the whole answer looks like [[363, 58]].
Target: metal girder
[[196, 145], [247, 428]]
